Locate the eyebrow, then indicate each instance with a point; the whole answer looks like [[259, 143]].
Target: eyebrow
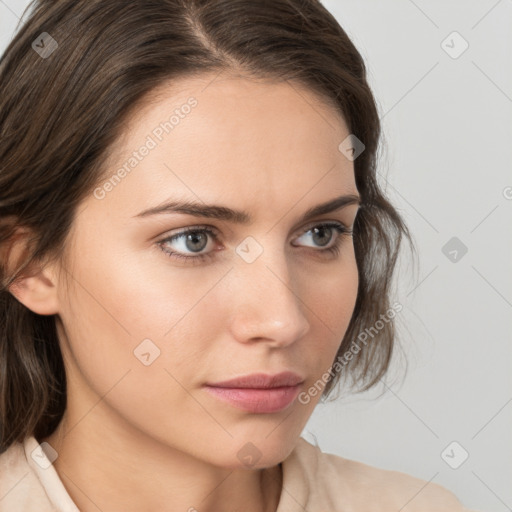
[[211, 211]]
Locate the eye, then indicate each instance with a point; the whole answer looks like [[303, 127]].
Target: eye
[[323, 235], [195, 240]]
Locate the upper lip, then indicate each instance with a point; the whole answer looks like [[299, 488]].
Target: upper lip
[[261, 381]]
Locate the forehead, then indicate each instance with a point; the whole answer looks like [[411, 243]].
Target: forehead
[[231, 109], [232, 138]]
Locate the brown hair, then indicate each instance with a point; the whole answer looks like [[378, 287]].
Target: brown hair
[[61, 112]]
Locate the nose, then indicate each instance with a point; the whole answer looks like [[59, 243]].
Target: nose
[[265, 304]]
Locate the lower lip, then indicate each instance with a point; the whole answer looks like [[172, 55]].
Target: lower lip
[[257, 400]]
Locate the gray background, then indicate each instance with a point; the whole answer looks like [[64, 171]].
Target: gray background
[[446, 166]]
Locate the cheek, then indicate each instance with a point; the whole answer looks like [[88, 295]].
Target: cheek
[[332, 293], [332, 299], [168, 323], [120, 314]]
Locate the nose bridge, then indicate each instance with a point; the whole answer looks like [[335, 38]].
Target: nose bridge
[[267, 305]]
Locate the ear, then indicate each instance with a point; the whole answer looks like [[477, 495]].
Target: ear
[[36, 287]]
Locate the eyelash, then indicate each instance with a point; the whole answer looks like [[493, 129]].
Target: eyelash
[[334, 250]]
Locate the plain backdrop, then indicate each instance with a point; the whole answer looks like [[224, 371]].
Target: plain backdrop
[[442, 76]]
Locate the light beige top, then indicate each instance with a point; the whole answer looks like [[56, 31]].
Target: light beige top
[[313, 481]]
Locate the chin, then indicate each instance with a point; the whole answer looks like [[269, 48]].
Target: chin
[[257, 451]]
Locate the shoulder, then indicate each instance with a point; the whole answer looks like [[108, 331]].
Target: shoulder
[[20, 488], [362, 485]]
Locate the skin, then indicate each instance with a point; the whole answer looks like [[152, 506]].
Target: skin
[[144, 438]]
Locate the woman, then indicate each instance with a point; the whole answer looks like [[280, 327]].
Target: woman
[[192, 239]]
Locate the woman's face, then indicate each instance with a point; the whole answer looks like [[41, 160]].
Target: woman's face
[[146, 330]]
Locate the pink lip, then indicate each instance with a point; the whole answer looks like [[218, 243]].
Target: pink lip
[[258, 393]]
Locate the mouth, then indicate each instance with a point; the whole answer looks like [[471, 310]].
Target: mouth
[[258, 393], [257, 400]]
